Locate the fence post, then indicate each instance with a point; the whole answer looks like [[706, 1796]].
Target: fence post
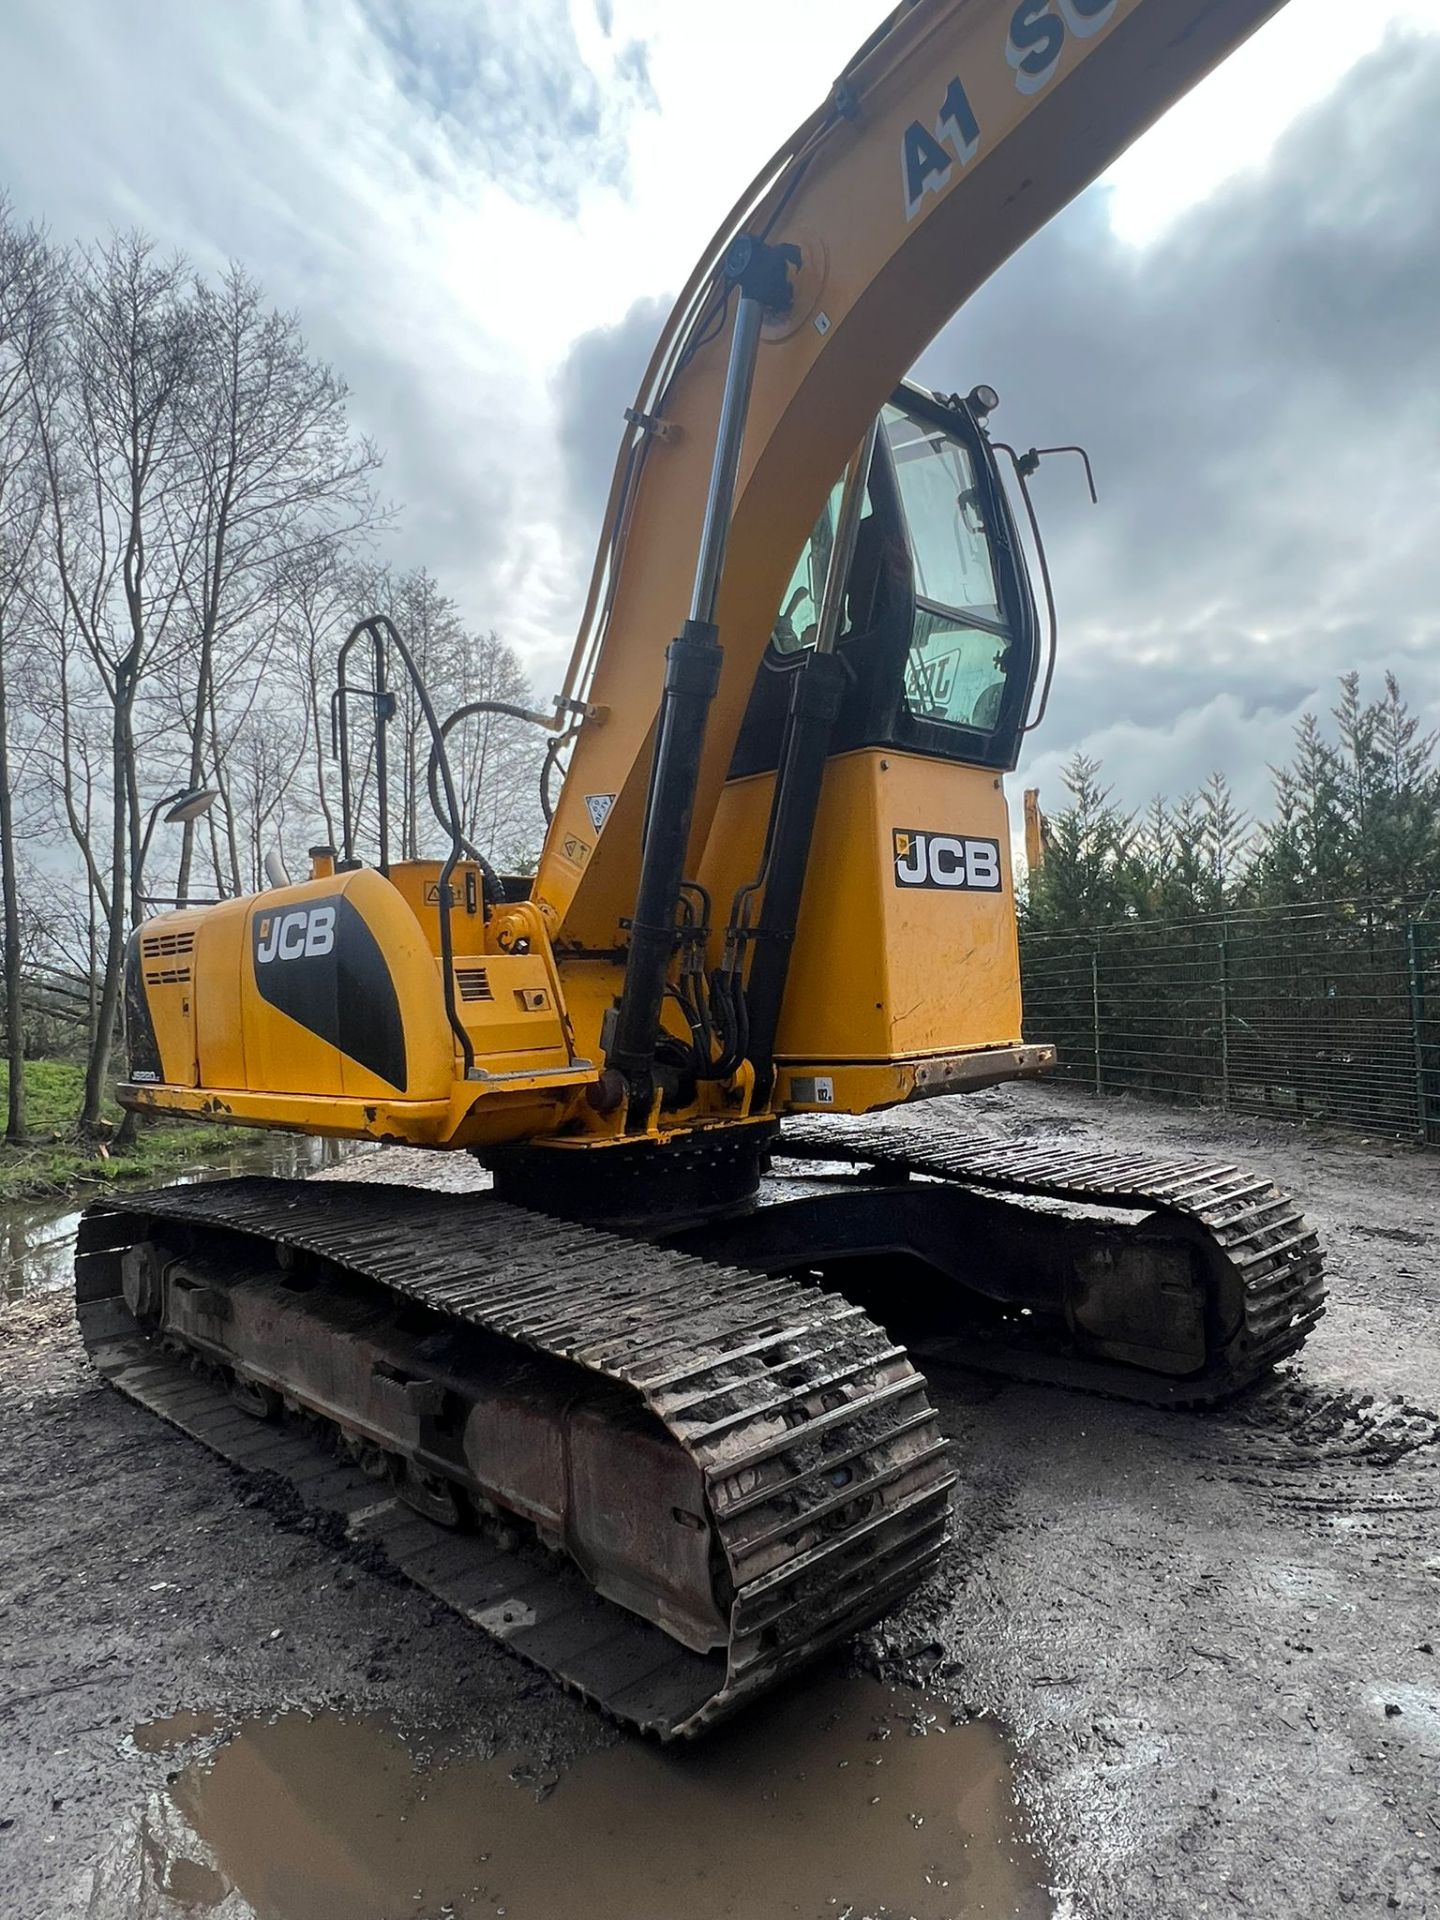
[[1417, 1015], [1224, 1025], [1095, 1008]]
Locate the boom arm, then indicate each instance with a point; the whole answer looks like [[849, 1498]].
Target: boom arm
[[959, 129]]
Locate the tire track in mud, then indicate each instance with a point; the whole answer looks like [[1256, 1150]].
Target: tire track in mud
[[1353, 1458]]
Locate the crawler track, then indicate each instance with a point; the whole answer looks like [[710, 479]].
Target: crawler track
[[825, 1475], [1262, 1251]]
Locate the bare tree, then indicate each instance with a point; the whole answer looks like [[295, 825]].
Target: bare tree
[[265, 757], [430, 624], [318, 607], [496, 758], [119, 471], [28, 285], [278, 481]]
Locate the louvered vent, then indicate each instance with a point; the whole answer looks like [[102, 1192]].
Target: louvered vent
[[474, 983], [167, 976], [156, 946]]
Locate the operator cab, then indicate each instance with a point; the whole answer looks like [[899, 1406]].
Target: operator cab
[[938, 631]]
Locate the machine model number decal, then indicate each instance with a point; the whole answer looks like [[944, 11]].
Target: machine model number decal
[[951, 862], [303, 934], [812, 1090], [1035, 40]]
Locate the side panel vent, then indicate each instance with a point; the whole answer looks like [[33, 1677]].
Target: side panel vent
[[474, 983], [156, 946], [167, 976]]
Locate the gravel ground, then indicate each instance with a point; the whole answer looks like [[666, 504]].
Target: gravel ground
[[1213, 1636]]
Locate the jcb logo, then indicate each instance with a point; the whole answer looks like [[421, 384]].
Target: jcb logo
[[947, 861], [303, 934]]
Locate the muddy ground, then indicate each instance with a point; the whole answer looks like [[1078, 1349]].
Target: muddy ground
[[1212, 1638]]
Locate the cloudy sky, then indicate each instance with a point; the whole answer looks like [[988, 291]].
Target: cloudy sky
[[479, 208]]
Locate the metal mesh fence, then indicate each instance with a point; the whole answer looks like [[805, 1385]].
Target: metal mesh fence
[[1326, 1012]]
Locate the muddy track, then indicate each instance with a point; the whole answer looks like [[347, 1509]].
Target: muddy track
[[1255, 1236], [824, 1477]]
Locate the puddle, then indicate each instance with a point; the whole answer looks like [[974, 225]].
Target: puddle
[[37, 1237], [37, 1247], [824, 1804]]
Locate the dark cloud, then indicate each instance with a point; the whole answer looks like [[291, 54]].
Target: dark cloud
[[599, 378], [1260, 390]]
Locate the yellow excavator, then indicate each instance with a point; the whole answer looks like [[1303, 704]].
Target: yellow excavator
[[646, 1410]]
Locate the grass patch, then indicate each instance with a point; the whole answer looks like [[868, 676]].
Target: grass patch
[[54, 1090], [55, 1160]]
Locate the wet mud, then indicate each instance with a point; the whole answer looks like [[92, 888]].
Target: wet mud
[[1213, 1638], [844, 1797], [176, 1730]]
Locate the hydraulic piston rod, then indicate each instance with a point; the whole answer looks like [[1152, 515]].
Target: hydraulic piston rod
[[692, 673]]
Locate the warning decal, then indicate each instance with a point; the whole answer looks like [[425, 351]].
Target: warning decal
[[598, 806]]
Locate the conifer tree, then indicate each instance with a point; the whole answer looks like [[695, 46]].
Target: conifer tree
[[1305, 852], [1224, 840], [1088, 878], [1403, 850]]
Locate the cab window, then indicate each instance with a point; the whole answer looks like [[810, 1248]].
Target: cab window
[[954, 672], [959, 646], [798, 618]]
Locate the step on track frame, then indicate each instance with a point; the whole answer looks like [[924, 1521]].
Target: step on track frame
[[713, 1352]]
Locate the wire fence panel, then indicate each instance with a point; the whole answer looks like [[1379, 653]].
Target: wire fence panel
[[1424, 964], [1326, 1013]]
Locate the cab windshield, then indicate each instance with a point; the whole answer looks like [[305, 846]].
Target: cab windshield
[[959, 646], [936, 622]]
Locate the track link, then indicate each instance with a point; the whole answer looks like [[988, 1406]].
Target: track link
[[1256, 1236], [825, 1474]]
